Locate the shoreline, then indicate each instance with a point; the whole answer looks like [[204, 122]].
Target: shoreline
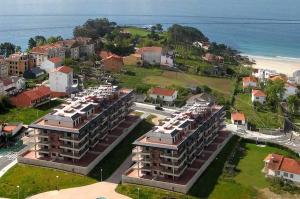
[[285, 65]]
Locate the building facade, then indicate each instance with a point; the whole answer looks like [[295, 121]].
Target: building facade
[[169, 150], [77, 125], [3, 67], [163, 94], [44, 52], [61, 80], [18, 63], [151, 55]]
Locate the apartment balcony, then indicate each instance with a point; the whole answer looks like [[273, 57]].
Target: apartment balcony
[[43, 143], [140, 158], [138, 150], [75, 155], [173, 172], [176, 165], [174, 155], [75, 147], [71, 139], [44, 151], [43, 135]]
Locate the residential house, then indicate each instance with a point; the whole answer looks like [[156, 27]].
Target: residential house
[[12, 85], [86, 46], [238, 118], [264, 74], [72, 48], [282, 167], [51, 64], [258, 96], [61, 80], [167, 60], [105, 54], [18, 63], [213, 58], [249, 82], [44, 52], [10, 129], [166, 95], [289, 89], [113, 63], [151, 55], [133, 60], [3, 67], [277, 77], [32, 98], [204, 45], [33, 73]]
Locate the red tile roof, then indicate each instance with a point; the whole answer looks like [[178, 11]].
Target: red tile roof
[[149, 49], [162, 91], [64, 69], [249, 79], [6, 81], [37, 93], [258, 93], [238, 116], [44, 48], [105, 54], [281, 163], [56, 60]]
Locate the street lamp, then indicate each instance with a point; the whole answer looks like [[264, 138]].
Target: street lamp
[[57, 183], [18, 188], [101, 174], [138, 193]]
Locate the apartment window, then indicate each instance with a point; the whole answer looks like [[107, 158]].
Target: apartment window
[[285, 174], [291, 175]]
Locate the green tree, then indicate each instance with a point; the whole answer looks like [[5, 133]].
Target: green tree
[[274, 91], [292, 103], [159, 27], [185, 34], [40, 40], [52, 39], [7, 48], [31, 43]]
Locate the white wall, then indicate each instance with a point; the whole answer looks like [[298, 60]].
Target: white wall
[[258, 99], [249, 84], [60, 82], [289, 90], [152, 58], [48, 66], [165, 98]]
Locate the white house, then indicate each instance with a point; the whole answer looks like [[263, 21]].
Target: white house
[[238, 118], [19, 82], [296, 77], [61, 80], [282, 167], [12, 85], [151, 55], [166, 95], [264, 74], [249, 82], [290, 89], [258, 96], [51, 64]]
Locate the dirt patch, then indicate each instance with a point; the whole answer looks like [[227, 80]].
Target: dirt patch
[[267, 193]]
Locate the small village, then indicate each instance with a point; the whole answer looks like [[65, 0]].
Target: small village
[[151, 111]]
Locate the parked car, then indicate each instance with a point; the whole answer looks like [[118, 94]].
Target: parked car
[[159, 108]]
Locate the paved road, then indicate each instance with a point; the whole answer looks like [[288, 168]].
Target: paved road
[[290, 140], [151, 109]]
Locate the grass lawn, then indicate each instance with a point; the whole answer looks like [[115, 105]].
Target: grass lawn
[[28, 115], [33, 180], [116, 157], [148, 192], [137, 31], [158, 77], [249, 179], [261, 119]]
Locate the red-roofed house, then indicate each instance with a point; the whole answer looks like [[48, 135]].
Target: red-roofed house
[[44, 52], [51, 64], [249, 82], [166, 95], [238, 118], [290, 89], [282, 167], [213, 58], [113, 63], [105, 54], [151, 55], [258, 96], [32, 98], [61, 80]]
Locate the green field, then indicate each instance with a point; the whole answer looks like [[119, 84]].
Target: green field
[[158, 77], [33, 180], [262, 118], [28, 115], [137, 31]]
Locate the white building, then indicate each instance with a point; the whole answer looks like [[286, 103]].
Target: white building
[[51, 64], [61, 80], [238, 118], [12, 85], [151, 55], [282, 167], [249, 82], [42, 53], [258, 96], [166, 95], [290, 89], [264, 74]]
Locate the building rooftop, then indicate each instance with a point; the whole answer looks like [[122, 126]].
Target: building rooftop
[[281, 163], [162, 91], [64, 69], [249, 79], [238, 116], [175, 129], [56, 60], [258, 93]]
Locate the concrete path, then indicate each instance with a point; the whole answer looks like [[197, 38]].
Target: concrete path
[[101, 189]]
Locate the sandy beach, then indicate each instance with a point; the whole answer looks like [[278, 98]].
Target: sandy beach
[[280, 64]]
